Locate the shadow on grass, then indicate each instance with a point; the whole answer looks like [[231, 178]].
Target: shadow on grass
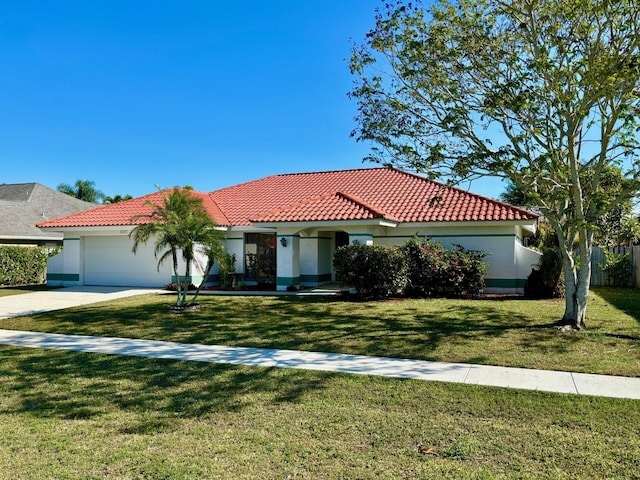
[[626, 300], [6, 290], [404, 329], [71, 385]]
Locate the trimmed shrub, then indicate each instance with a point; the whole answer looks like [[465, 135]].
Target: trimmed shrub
[[464, 272], [436, 271], [426, 262], [375, 271], [23, 265], [417, 268]]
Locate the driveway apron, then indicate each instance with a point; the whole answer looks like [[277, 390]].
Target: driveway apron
[[46, 301]]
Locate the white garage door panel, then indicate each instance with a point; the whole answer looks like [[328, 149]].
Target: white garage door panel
[[109, 261]]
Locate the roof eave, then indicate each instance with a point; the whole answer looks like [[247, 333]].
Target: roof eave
[[475, 223], [30, 237], [119, 229]]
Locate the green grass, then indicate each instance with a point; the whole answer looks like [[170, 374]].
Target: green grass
[[517, 333], [5, 291], [71, 415], [87, 416]]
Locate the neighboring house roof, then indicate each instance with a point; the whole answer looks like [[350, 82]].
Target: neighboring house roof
[[358, 194], [23, 205]]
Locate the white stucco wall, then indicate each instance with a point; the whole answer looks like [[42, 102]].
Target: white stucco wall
[[316, 258], [108, 260], [526, 259], [235, 246], [309, 255], [55, 269], [104, 257]]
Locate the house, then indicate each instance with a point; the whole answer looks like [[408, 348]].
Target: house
[[23, 205], [285, 228]]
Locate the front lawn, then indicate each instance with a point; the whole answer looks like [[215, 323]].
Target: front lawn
[[87, 416], [6, 290], [516, 333]]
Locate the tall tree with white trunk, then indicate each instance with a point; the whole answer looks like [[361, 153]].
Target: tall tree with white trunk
[[544, 94]]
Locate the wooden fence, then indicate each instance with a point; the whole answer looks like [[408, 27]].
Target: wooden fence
[[598, 278]]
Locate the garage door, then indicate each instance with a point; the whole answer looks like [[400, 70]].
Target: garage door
[[109, 261]]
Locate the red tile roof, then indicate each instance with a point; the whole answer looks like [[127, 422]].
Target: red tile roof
[[330, 207], [357, 194], [378, 192], [123, 213]]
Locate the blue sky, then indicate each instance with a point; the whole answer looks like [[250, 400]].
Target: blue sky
[[204, 93]]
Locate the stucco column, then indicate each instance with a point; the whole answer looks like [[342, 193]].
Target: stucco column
[[71, 264], [288, 259]]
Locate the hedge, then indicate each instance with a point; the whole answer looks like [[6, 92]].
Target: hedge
[[375, 271], [417, 268], [23, 265]]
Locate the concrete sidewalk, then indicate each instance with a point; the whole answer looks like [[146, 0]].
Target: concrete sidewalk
[[548, 381], [57, 299]]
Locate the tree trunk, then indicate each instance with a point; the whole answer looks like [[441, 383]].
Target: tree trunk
[[204, 279], [176, 273], [577, 292], [577, 281], [187, 280], [570, 290], [584, 280]]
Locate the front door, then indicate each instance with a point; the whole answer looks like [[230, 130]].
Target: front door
[[260, 257]]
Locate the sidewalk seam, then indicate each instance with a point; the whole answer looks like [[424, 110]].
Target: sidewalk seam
[[575, 386]]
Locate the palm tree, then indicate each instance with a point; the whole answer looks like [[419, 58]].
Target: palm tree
[[82, 190], [180, 224]]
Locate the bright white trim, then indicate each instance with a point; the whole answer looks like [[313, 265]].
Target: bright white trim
[[29, 237]]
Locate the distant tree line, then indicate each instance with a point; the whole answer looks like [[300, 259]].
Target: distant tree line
[[86, 190]]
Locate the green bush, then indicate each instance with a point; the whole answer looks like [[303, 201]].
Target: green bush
[[227, 263], [546, 279], [375, 271], [464, 272], [436, 271], [23, 265], [426, 265], [417, 268]]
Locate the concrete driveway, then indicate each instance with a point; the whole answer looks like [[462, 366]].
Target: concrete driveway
[[46, 301]]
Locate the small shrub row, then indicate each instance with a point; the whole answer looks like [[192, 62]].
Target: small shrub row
[[23, 265], [173, 287], [417, 268]]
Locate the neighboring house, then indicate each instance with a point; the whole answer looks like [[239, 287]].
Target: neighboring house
[[287, 227], [23, 205]]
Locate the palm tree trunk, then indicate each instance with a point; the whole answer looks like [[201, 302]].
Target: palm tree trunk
[[176, 273], [204, 279]]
